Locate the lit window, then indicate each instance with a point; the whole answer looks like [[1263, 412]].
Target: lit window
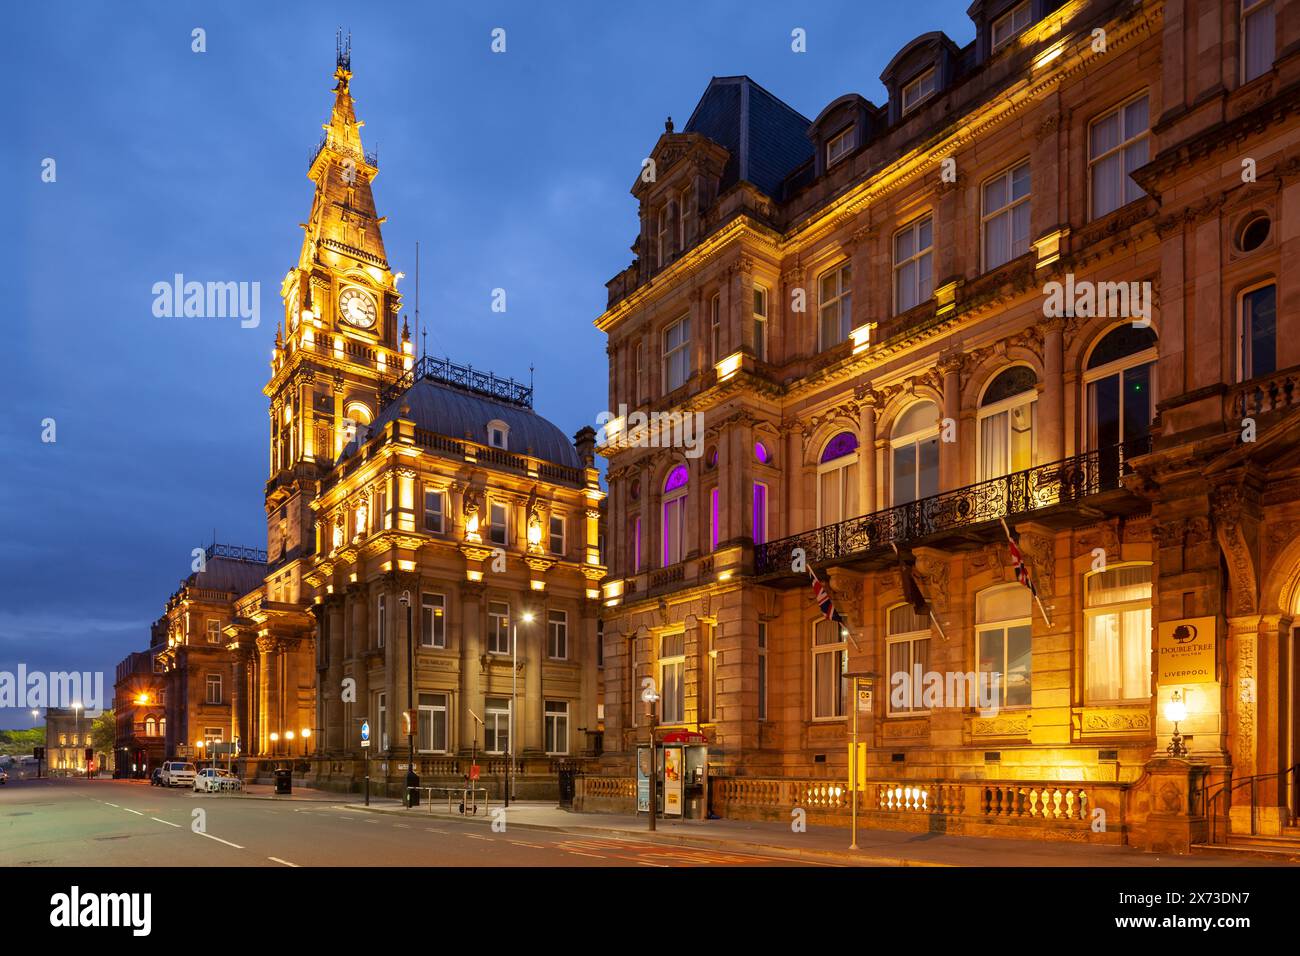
[[1117, 621], [709, 685], [760, 513], [214, 688], [1006, 216], [382, 710], [840, 146], [760, 323], [837, 480], [830, 665], [914, 453], [557, 534], [677, 354], [557, 726], [908, 640], [715, 329], [150, 727], [1117, 145], [913, 282], [1009, 24], [498, 627], [214, 631], [433, 620], [672, 683], [1257, 331], [557, 635], [496, 725], [674, 515], [1006, 420], [916, 91], [835, 301], [1003, 627], [432, 728], [498, 523], [1259, 36], [434, 510]]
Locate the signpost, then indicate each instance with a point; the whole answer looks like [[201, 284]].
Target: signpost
[[365, 746]]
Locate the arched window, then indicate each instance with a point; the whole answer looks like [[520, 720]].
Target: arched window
[[1120, 386], [837, 479], [150, 727], [914, 453], [1007, 419], [1117, 622], [358, 412], [674, 515], [1003, 626]]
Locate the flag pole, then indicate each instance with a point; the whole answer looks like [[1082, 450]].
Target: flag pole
[[843, 624], [1032, 590], [903, 569]]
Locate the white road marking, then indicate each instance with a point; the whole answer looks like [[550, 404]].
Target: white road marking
[[168, 822], [535, 846], [401, 826], [278, 860], [647, 863], [136, 812], [432, 830], [113, 805], [219, 840], [594, 856], [475, 836]]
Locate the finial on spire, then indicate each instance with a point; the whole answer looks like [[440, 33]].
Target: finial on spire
[[343, 49], [406, 330], [668, 125]]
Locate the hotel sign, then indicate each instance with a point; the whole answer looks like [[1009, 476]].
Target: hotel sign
[[1185, 651]]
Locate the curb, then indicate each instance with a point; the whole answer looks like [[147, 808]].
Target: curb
[[704, 842]]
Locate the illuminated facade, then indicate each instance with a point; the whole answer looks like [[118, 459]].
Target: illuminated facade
[[864, 310], [140, 715]]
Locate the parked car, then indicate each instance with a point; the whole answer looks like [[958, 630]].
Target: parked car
[[214, 779], [4, 776], [177, 773], [155, 778]]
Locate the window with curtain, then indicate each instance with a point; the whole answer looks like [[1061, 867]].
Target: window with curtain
[[432, 729], [1119, 382], [834, 300], [1257, 330], [1006, 423], [1117, 623], [433, 620], [1258, 38], [672, 678], [837, 479], [908, 642], [674, 515], [914, 453], [677, 354], [557, 727], [913, 283], [1117, 145], [830, 666], [496, 725], [1003, 626], [760, 323], [1006, 216]]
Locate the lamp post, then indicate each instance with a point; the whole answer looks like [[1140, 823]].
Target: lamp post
[[514, 685], [275, 740], [1176, 711], [651, 696], [306, 735], [35, 716], [76, 711]]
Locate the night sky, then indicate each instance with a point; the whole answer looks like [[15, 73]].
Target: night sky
[[512, 170]]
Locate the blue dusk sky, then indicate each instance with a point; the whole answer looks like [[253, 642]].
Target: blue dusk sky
[[512, 170]]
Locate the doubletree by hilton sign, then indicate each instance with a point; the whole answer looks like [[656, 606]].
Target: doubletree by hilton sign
[[1185, 651]]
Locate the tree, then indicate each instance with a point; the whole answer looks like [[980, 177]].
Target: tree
[[103, 733]]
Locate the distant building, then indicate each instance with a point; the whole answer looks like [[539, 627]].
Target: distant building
[[139, 709], [67, 735]]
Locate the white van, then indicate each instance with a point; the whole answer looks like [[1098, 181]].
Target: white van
[[177, 773]]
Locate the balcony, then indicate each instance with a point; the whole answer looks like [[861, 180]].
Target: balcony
[[1054, 494]]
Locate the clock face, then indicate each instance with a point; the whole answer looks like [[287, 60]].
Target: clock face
[[357, 308]]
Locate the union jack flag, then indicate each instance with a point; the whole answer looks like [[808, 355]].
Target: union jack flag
[[1018, 561], [825, 602]]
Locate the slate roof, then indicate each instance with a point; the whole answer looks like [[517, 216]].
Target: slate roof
[[228, 574], [767, 138]]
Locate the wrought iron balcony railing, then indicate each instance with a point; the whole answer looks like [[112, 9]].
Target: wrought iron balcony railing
[[1021, 493]]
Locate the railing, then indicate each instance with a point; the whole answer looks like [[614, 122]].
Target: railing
[[1023, 492], [1225, 790], [1263, 395], [462, 376], [370, 157], [235, 552]]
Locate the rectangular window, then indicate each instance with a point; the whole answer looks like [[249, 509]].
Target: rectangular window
[[557, 534], [382, 709], [214, 689], [762, 670], [1117, 145], [434, 510], [214, 631], [677, 354], [498, 627], [830, 664], [557, 635], [908, 641], [211, 735], [661, 238], [432, 730], [381, 518], [381, 620], [1257, 348], [499, 523], [1006, 216], [709, 692], [760, 323], [1117, 625], [759, 528], [637, 363], [557, 726], [915, 92], [683, 210], [1009, 24], [1003, 625], [433, 620], [840, 146], [672, 684], [1259, 37], [636, 545], [674, 530], [834, 302], [913, 283], [715, 329], [496, 725], [713, 519]]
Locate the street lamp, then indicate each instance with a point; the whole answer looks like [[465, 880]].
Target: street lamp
[[1176, 711], [514, 685], [306, 735], [76, 710], [275, 738]]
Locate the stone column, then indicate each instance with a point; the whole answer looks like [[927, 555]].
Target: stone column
[[471, 648], [332, 690], [867, 455], [586, 716], [532, 658], [792, 520], [268, 698], [950, 451], [1051, 421]]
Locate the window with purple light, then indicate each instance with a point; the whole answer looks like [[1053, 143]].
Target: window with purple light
[[673, 530], [676, 478], [713, 520], [845, 443], [759, 528], [760, 452]]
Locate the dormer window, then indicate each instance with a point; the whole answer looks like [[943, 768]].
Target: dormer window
[[1009, 24], [683, 203], [918, 90], [498, 433], [840, 146], [661, 242]]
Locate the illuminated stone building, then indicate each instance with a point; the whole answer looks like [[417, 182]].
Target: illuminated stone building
[[416, 501], [67, 735], [861, 307], [139, 711]]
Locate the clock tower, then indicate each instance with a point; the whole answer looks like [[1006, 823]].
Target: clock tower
[[339, 341]]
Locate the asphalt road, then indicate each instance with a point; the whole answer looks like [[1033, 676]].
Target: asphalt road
[[67, 822]]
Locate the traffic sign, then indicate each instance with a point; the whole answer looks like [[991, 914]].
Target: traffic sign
[[473, 772], [365, 733]]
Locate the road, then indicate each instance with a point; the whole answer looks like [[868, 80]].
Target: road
[[67, 822]]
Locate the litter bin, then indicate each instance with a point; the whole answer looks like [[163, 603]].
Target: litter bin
[[284, 781], [567, 786]]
